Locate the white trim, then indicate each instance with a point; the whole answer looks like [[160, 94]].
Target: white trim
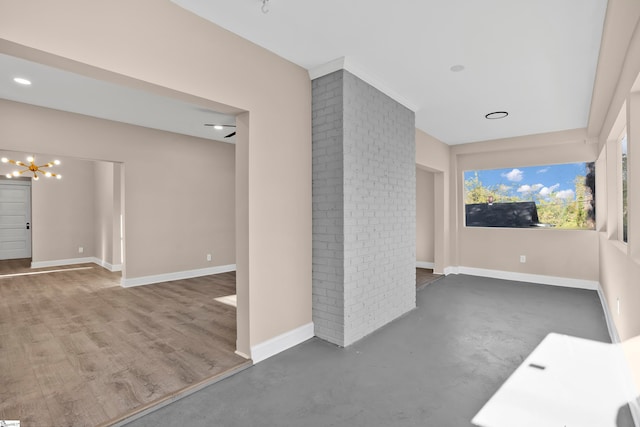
[[275, 345], [328, 68], [70, 261], [450, 270], [634, 405], [110, 267], [530, 278], [241, 354], [425, 264], [178, 275], [348, 64], [611, 326], [33, 273], [59, 262]]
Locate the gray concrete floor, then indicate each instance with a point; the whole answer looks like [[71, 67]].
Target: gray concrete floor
[[435, 366]]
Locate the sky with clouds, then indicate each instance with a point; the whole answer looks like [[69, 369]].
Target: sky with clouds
[[539, 182]]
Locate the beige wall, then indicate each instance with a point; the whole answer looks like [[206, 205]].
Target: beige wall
[[274, 217], [107, 213], [589, 255], [617, 65], [117, 235], [434, 156], [161, 46], [425, 243], [172, 220], [62, 211], [620, 263], [560, 253], [619, 281], [103, 200], [431, 153], [569, 254], [80, 210]]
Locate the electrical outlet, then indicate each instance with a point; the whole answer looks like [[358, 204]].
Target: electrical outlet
[[80, 249], [523, 258], [208, 257]]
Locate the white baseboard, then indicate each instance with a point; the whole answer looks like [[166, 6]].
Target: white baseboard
[[275, 345], [611, 326], [110, 267], [60, 262], [450, 270], [425, 264], [178, 275], [634, 405], [241, 354], [529, 278], [70, 261]]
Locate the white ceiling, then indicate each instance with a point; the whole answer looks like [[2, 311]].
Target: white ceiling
[[66, 91], [535, 59]]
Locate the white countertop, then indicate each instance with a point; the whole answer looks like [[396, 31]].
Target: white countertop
[[565, 382]]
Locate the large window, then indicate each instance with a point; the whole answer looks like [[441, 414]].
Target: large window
[[625, 209], [559, 196]]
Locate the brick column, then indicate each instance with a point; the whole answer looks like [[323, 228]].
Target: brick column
[[363, 208]]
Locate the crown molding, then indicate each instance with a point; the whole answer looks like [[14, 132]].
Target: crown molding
[[347, 64]]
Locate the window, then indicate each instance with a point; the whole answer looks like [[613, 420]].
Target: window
[[623, 186], [559, 196]]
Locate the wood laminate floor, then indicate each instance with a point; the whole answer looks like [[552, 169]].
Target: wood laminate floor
[[433, 367], [425, 276], [76, 349]]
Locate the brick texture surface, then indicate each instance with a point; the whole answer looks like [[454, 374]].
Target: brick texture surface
[[363, 208]]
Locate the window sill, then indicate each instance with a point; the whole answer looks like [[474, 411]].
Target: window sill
[[472, 227]]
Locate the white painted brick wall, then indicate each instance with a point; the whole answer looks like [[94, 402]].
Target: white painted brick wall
[[328, 270], [363, 208]]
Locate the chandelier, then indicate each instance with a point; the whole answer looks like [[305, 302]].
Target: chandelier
[[32, 167]]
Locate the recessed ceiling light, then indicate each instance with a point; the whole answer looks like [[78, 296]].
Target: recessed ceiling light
[[457, 68], [218, 127], [496, 115], [22, 81]]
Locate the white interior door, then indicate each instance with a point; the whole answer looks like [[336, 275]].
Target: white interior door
[[15, 219]]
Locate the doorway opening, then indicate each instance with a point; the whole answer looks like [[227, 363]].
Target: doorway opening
[[15, 218], [73, 220], [427, 212], [156, 235]]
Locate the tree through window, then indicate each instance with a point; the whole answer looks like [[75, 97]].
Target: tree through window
[[560, 196]]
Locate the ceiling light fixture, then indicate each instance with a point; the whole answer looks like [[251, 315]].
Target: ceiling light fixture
[[22, 81], [457, 68], [32, 167], [496, 115], [265, 6]]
